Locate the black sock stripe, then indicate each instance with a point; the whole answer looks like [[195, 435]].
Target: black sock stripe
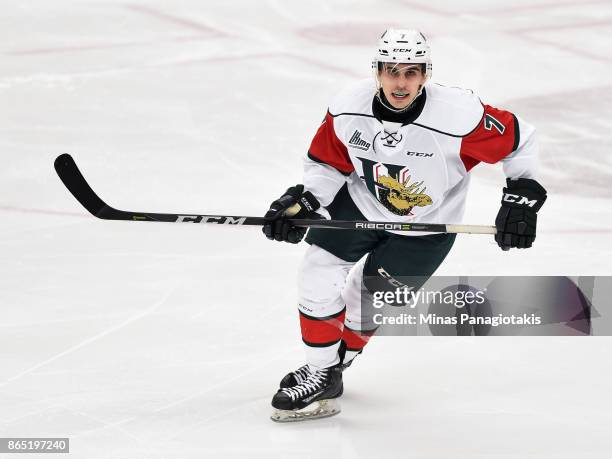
[[333, 316], [353, 349], [331, 343], [362, 332]]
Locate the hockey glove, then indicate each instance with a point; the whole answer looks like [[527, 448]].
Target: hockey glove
[[295, 203], [516, 220]]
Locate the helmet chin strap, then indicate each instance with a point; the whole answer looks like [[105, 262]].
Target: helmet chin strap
[[388, 105]]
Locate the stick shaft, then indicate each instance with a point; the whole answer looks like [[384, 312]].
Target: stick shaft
[[71, 176]]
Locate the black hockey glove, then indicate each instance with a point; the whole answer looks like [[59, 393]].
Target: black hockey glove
[[295, 203], [516, 220]]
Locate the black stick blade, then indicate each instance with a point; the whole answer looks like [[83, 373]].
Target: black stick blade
[[70, 174]]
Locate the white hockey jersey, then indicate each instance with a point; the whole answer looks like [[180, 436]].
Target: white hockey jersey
[[416, 172]]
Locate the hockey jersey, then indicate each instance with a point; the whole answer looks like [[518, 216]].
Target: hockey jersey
[[419, 171]]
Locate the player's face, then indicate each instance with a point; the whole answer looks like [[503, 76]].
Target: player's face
[[401, 83]]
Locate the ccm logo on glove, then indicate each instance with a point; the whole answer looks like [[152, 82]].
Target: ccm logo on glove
[[520, 200]]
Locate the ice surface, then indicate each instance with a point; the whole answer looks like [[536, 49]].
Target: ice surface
[[143, 340]]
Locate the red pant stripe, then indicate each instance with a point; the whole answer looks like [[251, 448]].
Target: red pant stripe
[[355, 340]]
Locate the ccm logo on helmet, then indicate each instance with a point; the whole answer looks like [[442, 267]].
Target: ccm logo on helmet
[[401, 50], [514, 198]]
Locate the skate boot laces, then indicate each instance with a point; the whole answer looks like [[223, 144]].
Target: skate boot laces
[[311, 384], [301, 374]]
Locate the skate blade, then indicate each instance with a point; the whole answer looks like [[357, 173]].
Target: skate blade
[[316, 410]]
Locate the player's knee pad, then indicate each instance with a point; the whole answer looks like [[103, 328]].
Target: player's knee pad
[[321, 279]]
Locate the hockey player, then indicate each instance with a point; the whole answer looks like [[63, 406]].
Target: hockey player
[[396, 148]]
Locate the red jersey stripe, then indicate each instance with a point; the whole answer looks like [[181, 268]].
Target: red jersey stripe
[[327, 148], [495, 137]]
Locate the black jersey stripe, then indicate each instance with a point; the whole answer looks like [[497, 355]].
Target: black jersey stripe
[[317, 160], [517, 133], [351, 114], [455, 135]]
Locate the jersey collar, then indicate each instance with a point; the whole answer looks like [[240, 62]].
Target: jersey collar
[[382, 113]]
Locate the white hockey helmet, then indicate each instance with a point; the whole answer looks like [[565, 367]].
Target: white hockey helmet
[[403, 46]]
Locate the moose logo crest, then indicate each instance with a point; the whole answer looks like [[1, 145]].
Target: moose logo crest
[[391, 185]]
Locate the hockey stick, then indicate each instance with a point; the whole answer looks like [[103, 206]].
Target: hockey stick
[[70, 174]]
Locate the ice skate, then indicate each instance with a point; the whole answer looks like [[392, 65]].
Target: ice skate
[[298, 376], [314, 397]]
